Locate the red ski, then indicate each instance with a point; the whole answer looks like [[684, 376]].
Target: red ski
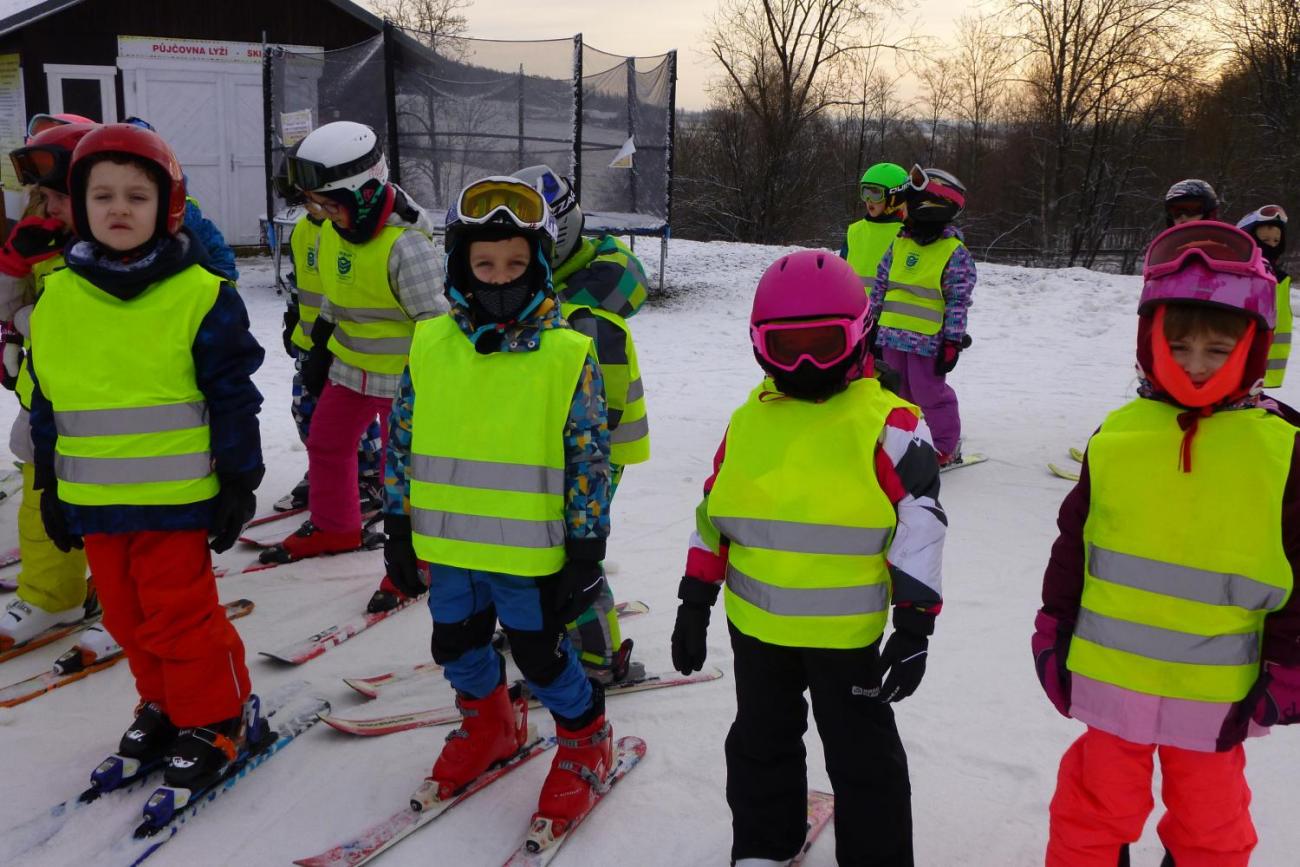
[[72, 666], [253, 533], [313, 646], [387, 725], [541, 844], [821, 807]]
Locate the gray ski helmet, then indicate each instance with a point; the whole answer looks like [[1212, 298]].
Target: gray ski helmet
[[1197, 190], [559, 194]]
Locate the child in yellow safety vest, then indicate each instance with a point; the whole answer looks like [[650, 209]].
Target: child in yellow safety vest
[[144, 422], [1267, 225], [822, 510], [498, 480], [600, 284], [923, 290], [52, 584], [882, 190], [1170, 623]]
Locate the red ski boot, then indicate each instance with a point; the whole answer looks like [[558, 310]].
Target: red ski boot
[[492, 729], [583, 759], [311, 541]]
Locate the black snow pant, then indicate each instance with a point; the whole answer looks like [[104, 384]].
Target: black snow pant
[[767, 774]]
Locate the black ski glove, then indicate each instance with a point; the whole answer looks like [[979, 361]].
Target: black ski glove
[[235, 506], [399, 557], [316, 366], [949, 352], [53, 516], [903, 657], [290, 323], [690, 632], [572, 590]]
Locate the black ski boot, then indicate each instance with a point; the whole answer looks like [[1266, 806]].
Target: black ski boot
[[1123, 857], [621, 670], [295, 499], [143, 747], [202, 755]]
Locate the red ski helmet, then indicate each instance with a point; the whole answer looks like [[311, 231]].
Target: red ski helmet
[[45, 159], [128, 140]]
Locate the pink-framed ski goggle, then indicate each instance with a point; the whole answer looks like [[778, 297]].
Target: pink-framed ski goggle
[[1221, 247], [784, 344]]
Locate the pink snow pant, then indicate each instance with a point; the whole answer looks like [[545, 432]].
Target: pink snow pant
[[341, 416], [931, 392]]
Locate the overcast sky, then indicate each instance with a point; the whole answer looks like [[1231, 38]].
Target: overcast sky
[[647, 27]]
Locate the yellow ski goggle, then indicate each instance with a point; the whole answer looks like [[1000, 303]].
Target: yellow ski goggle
[[482, 200]]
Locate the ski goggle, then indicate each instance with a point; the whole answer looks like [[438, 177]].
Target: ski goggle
[[1192, 208], [918, 180], [310, 175], [484, 200], [873, 193], [824, 342], [41, 122], [45, 166], [558, 192], [1268, 213], [1219, 246]]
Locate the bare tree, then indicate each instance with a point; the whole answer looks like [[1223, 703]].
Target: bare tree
[[984, 65], [1087, 61], [785, 63], [937, 75], [433, 20]]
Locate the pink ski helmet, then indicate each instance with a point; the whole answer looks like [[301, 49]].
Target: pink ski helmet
[[815, 292]]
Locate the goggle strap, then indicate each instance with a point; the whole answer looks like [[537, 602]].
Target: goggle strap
[[325, 175]]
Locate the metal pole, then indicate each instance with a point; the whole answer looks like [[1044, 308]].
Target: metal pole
[[390, 87], [668, 188], [575, 160], [519, 154], [268, 117], [631, 128]]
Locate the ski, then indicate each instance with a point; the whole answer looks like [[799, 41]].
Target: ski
[[821, 808], [387, 725], [271, 556], [542, 844], [149, 837], [332, 636], [1058, 470], [370, 687], [11, 484], [1076, 454], [966, 460], [51, 635], [386, 833], [250, 536], [9, 583], [72, 666], [36, 831]]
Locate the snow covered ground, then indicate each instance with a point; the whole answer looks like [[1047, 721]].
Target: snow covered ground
[[1053, 352]]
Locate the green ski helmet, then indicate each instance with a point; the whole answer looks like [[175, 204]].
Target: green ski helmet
[[887, 179]]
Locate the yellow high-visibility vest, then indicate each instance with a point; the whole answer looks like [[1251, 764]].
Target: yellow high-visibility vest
[[914, 300], [373, 332]]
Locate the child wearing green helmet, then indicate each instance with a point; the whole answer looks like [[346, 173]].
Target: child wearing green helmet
[[881, 189]]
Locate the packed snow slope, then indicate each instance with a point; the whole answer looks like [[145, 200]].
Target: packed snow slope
[[1053, 352]]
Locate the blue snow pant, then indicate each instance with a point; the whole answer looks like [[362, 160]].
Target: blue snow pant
[[370, 451], [466, 605]]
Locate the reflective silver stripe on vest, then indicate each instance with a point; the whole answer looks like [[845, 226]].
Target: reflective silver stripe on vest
[[1168, 645], [133, 420], [374, 345], [1184, 582], [918, 291], [869, 281], [1281, 337], [511, 532], [524, 478], [913, 310], [803, 538], [631, 431], [808, 601], [310, 299], [129, 471], [635, 390], [1277, 364], [361, 315]]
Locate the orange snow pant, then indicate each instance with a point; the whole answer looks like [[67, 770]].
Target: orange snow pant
[[1103, 798], [160, 603]]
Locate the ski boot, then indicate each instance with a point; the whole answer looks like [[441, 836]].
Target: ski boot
[[950, 459], [201, 757], [386, 598], [21, 622], [310, 541], [492, 730], [584, 756], [620, 670], [142, 749], [94, 647], [370, 491], [295, 499]]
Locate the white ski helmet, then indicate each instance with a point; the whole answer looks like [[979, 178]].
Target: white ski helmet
[[559, 194], [343, 155]]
